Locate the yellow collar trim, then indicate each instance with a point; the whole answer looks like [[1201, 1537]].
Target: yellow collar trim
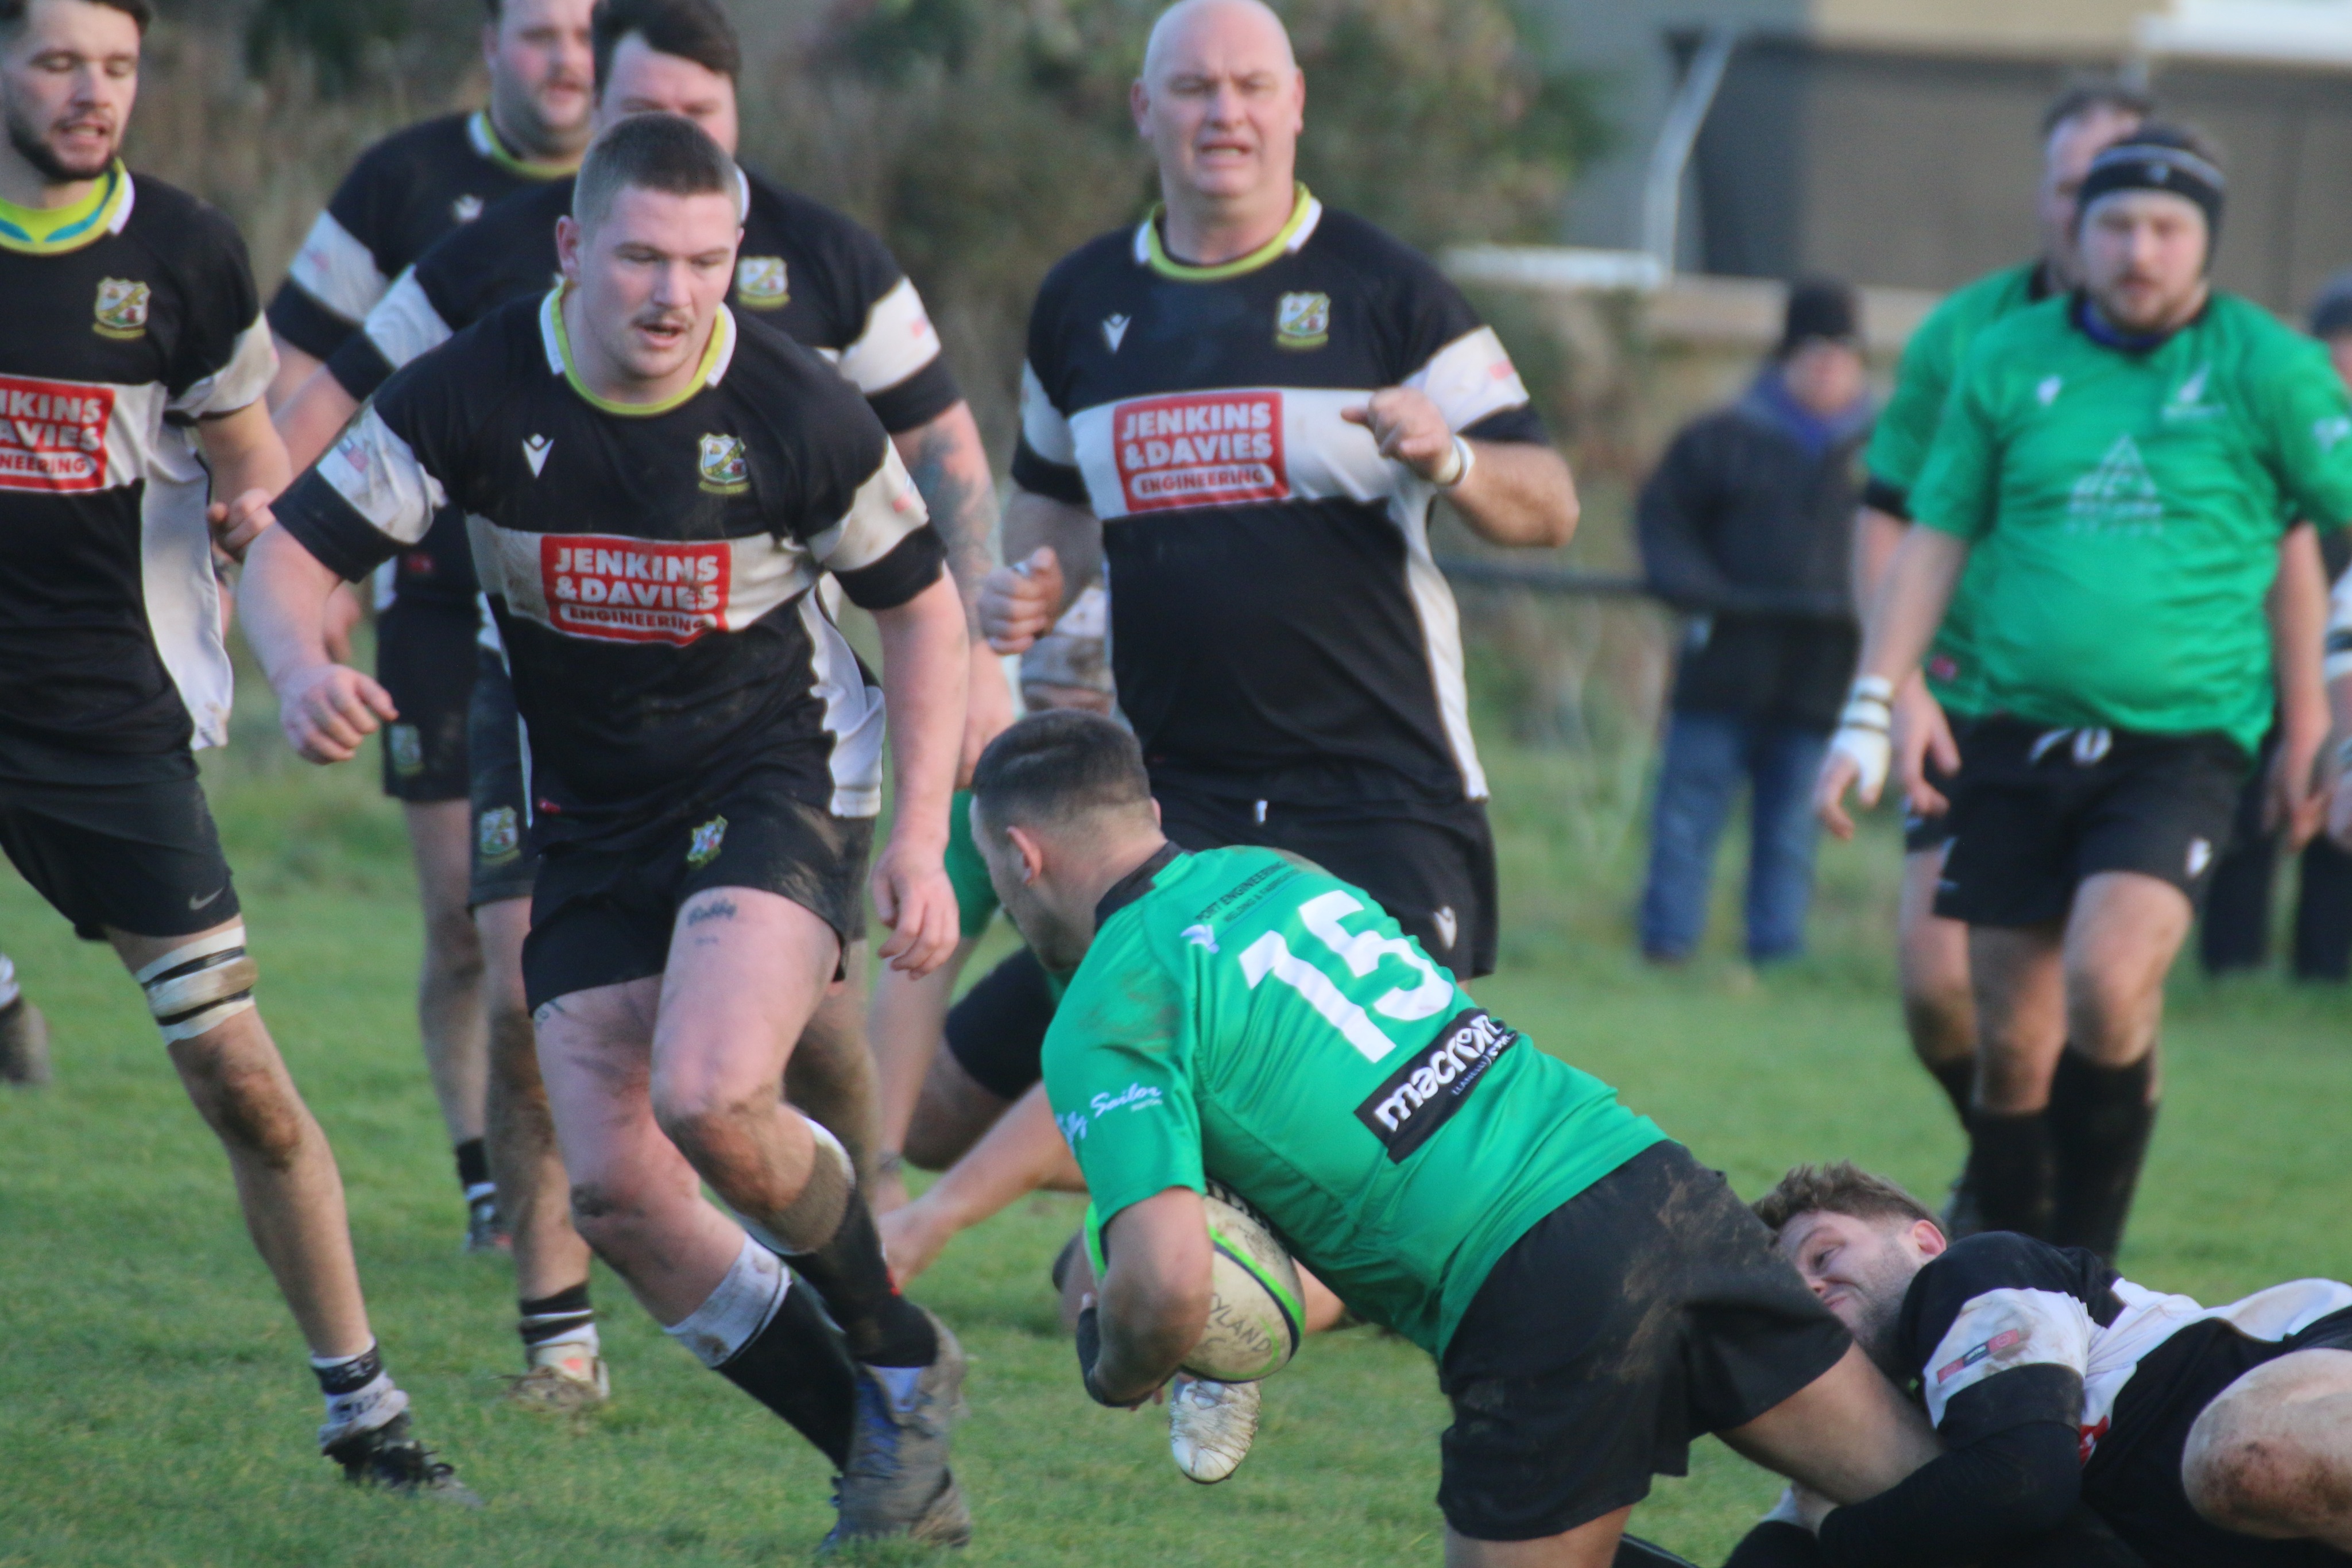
[[491, 145], [715, 360], [54, 231], [1304, 213]]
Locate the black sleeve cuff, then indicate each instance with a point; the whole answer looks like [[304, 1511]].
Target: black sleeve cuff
[[1054, 481], [913, 564], [1522, 423], [1968, 1504], [305, 324], [327, 526], [1881, 496], [360, 367], [917, 400]]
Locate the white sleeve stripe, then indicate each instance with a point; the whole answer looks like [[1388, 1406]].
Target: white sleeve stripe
[[2002, 1331], [338, 271], [898, 341], [377, 472], [403, 325], [1042, 424], [1470, 378], [240, 383], [885, 509]]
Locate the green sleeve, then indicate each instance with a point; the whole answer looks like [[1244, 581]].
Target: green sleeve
[[1118, 1076], [1960, 484], [2309, 424], [967, 872], [1906, 426]]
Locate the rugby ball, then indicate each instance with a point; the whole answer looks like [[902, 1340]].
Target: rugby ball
[[1255, 1319]]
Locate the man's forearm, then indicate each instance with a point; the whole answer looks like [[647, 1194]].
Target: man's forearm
[[283, 607], [1876, 535], [309, 420], [950, 468], [925, 665], [2297, 608], [244, 454], [1518, 494], [1074, 534], [1919, 583]]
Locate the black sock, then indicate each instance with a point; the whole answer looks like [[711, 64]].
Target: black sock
[[473, 1166], [2010, 1170], [551, 1316], [796, 1368], [2101, 1119], [1957, 1079], [350, 1374], [882, 1327]]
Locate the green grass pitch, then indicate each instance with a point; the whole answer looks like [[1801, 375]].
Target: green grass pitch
[[154, 1408]]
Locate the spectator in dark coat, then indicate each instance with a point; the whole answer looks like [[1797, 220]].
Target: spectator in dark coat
[[1745, 528]]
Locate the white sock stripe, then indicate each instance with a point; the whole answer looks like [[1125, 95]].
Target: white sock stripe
[[744, 1302], [220, 941], [200, 1022]]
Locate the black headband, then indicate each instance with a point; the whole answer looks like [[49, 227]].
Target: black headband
[[2154, 166]]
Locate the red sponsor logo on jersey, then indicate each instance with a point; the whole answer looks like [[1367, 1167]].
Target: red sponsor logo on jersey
[[1992, 1347], [53, 436], [1200, 449], [633, 590], [2090, 1438]]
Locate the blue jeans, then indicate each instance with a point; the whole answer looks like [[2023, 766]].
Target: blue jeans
[[1707, 758]]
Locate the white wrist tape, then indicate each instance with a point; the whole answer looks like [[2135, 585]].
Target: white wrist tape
[[1863, 735], [196, 987], [1458, 469]]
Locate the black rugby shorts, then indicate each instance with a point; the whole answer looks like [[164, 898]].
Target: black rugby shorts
[[128, 843], [601, 917], [2043, 809], [996, 1030], [504, 866], [1649, 1309], [1924, 832], [425, 657], [1432, 867]]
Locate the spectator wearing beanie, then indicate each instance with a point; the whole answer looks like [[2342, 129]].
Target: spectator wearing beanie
[[1747, 527]]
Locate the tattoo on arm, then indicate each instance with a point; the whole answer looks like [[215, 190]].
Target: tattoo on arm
[[717, 909], [950, 470]]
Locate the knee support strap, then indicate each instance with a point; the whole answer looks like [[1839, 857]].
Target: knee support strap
[[196, 987]]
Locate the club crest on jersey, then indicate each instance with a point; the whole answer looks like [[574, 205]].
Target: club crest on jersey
[[704, 846], [499, 836], [121, 309], [1200, 449], [1302, 321], [761, 283], [466, 209], [725, 469]]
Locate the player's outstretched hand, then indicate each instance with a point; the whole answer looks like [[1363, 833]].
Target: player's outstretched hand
[[1018, 602], [913, 897], [237, 522], [1410, 429], [1859, 754], [1923, 731], [329, 710]]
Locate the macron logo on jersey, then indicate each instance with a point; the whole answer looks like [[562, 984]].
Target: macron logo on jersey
[[633, 590], [1200, 449], [1423, 1094], [53, 436]]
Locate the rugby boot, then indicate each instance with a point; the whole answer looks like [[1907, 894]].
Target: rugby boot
[[1209, 1425], [897, 1482], [389, 1458], [564, 1379], [24, 1045], [484, 1234], [946, 1523]]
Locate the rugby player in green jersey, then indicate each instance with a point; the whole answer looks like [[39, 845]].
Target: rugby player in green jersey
[[2123, 462], [1595, 1299]]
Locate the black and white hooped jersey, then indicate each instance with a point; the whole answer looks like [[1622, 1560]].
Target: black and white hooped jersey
[[1278, 626], [2005, 1330], [115, 340], [404, 193], [651, 569], [801, 268]]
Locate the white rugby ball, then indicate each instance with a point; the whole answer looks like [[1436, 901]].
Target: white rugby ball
[[1254, 1318]]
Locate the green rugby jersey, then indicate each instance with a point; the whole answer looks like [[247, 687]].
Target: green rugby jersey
[[1907, 428], [1245, 1016], [2129, 504]]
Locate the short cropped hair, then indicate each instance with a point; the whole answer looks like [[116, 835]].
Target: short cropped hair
[[13, 12], [1839, 1189], [695, 30], [1060, 764], [665, 152], [2096, 95]]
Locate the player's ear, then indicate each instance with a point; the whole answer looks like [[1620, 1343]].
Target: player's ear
[[567, 246], [1927, 1239], [1138, 106], [1031, 850]]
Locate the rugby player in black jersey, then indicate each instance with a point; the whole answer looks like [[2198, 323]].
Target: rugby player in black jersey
[[654, 486], [133, 365], [831, 286], [405, 192], [2197, 1436]]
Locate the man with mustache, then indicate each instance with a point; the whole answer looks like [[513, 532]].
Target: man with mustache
[[2122, 463], [132, 363]]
